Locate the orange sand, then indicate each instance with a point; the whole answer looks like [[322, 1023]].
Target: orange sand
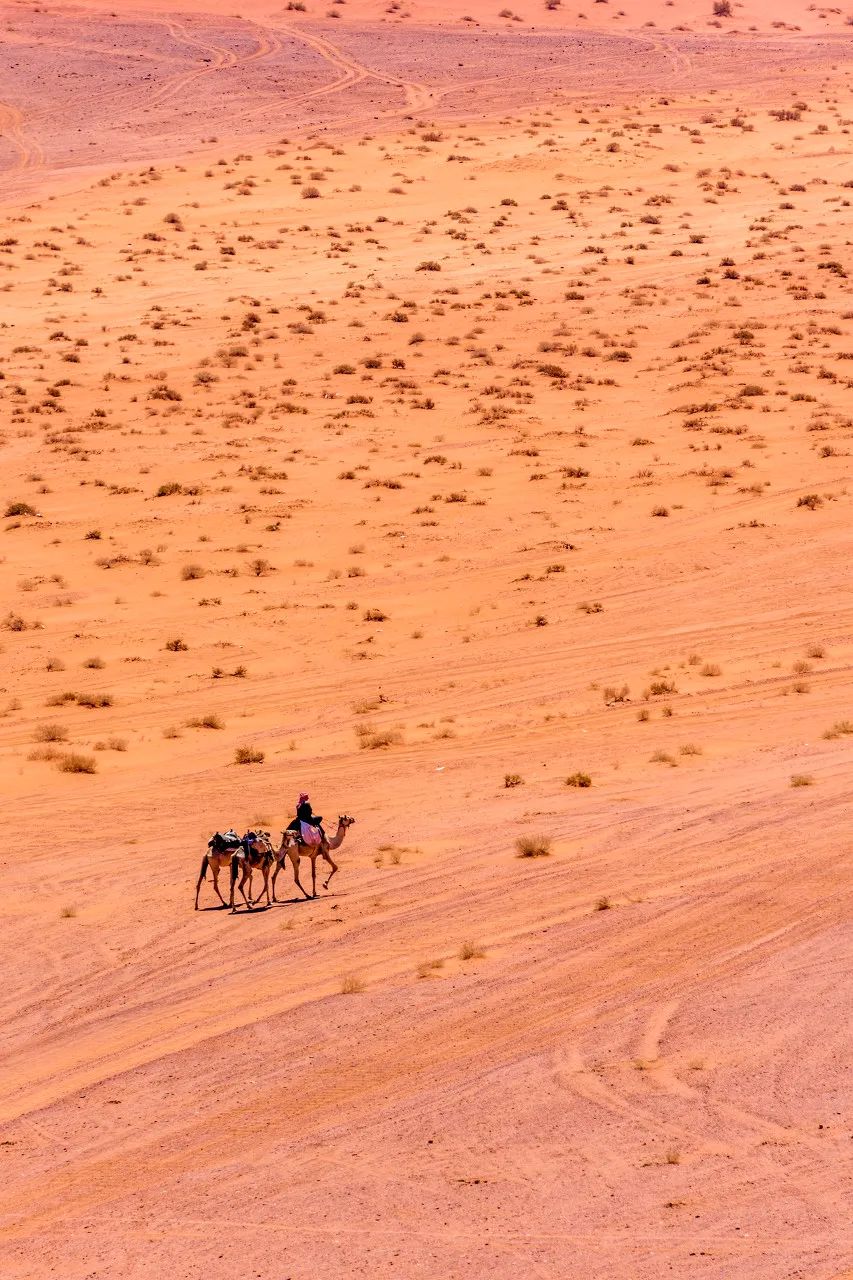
[[540, 378]]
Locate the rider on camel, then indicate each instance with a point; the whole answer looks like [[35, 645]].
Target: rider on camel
[[304, 813]]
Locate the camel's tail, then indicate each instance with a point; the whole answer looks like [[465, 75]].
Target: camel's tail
[[203, 872]]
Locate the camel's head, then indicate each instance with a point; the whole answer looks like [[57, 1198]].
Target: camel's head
[[345, 820]]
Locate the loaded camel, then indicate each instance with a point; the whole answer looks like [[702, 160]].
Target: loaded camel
[[293, 849], [258, 856]]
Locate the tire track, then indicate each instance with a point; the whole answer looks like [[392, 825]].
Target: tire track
[[417, 96], [30, 153]]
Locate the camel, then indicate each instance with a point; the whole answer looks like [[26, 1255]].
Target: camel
[[291, 848], [260, 857]]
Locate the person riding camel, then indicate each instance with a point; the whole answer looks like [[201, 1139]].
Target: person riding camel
[[305, 814]]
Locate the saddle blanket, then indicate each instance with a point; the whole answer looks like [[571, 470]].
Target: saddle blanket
[[310, 835]]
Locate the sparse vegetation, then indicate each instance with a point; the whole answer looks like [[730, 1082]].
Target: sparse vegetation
[[579, 780], [75, 762], [533, 846], [248, 755]]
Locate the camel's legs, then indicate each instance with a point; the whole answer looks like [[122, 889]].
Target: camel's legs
[[294, 858], [200, 878], [265, 872], [245, 874], [278, 867], [332, 864], [314, 875], [215, 868]]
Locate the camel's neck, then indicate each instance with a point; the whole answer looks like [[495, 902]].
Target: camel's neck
[[338, 839]]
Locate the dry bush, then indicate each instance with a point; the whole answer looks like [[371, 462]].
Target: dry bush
[[533, 846], [690, 749], [840, 729], [176, 645], [191, 572], [579, 780], [94, 700], [209, 721], [67, 913], [428, 967], [513, 780], [802, 780], [248, 755], [19, 509], [74, 762], [471, 951], [50, 733], [711, 669], [351, 985], [603, 903], [662, 757], [370, 739]]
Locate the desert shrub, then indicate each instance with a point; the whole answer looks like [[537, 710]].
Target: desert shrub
[[74, 762], [167, 490], [248, 755], [94, 664], [513, 780], [810, 500], [711, 669], [660, 511], [722, 9], [94, 700], [471, 951], [352, 985], [375, 615], [658, 688], [533, 846], [579, 780], [310, 193], [377, 739], [50, 733], [176, 645], [802, 780], [428, 266], [603, 903], [19, 509], [191, 572], [661, 757], [690, 749], [209, 721]]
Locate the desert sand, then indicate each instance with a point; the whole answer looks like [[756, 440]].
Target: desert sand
[[451, 416]]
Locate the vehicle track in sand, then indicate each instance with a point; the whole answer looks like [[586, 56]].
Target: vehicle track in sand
[[30, 153]]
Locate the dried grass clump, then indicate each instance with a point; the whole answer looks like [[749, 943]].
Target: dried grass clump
[[802, 780], [50, 733], [471, 951], [533, 846], [248, 755], [352, 985], [74, 762], [371, 739], [579, 780], [209, 721], [513, 780]]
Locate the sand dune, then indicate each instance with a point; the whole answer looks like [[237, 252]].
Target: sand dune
[[471, 444]]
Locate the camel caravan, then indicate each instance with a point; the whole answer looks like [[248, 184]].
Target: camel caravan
[[244, 855]]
